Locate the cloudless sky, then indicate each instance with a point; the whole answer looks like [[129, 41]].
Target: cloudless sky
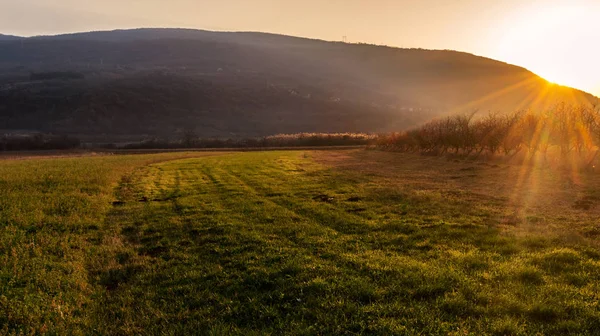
[[558, 39]]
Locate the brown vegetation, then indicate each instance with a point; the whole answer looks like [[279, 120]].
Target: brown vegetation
[[191, 140], [565, 129]]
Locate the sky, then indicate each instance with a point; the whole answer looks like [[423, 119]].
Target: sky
[[557, 39]]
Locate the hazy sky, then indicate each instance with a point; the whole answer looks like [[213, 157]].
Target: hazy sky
[[558, 39]]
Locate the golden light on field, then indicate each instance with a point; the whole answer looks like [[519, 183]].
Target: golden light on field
[[558, 41]]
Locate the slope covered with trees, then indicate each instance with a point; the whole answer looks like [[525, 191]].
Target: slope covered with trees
[[9, 37], [160, 82]]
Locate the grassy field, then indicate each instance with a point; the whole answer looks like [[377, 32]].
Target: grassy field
[[303, 243]]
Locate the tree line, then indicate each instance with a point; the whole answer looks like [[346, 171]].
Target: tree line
[[38, 141], [189, 139], [566, 128]]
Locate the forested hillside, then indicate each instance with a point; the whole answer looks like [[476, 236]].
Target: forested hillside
[[161, 82]]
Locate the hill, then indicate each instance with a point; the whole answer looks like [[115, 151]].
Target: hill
[[9, 37], [159, 82]]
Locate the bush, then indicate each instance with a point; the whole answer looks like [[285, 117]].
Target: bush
[[190, 140], [564, 127]]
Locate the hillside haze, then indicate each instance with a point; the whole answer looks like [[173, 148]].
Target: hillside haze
[[130, 84], [9, 37]]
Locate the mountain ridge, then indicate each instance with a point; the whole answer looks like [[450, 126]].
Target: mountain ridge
[[246, 83], [4, 37], [191, 33]]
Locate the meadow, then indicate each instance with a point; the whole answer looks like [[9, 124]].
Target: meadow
[[297, 243]]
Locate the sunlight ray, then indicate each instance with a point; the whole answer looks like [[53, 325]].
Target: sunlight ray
[[496, 94]]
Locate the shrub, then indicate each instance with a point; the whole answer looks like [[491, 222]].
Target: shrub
[[565, 127], [190, 140]]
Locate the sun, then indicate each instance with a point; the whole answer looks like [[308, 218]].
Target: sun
[[558, 41]]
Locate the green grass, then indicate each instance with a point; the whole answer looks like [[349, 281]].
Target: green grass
[[50, 210], [303, 243]]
